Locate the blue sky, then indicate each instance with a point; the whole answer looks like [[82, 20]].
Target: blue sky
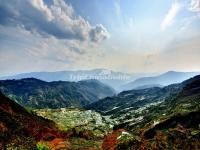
[[122, 35]]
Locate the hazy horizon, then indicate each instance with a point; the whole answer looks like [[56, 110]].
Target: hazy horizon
[[142, 74]]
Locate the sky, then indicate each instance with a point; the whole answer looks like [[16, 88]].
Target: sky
[[135, 36]]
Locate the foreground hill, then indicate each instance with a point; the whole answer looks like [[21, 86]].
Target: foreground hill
[[165, 79], [36, 93], [74, 129], [21, 129]]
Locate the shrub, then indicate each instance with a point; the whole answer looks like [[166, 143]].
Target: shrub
[[42, 146]]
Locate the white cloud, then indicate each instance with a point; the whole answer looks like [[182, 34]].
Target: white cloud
[[58, 20], [99, 33], [195, 6], [39, 4], [169, 18]]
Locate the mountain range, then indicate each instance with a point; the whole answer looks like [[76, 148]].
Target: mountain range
[[112, 78], [117, 80], [164, 79], [79, 75], [31, 92]]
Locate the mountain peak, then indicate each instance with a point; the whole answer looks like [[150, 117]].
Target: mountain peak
[[170, 72]]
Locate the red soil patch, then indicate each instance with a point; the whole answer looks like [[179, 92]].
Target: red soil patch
[[58, 143], [6, 107], [110, 141], [3, 127]]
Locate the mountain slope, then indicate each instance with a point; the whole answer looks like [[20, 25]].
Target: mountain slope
[[173, 124], [167, 78], [19, 128], [127, 103], [35, 93], [134, 99]]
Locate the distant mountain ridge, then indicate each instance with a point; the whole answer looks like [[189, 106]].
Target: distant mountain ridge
[[147, 86], [63, 75], [106, 76], [31, 92], [165, 79], [117, 80]]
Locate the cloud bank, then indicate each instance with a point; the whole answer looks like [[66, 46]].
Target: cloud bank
[[58, 20]]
